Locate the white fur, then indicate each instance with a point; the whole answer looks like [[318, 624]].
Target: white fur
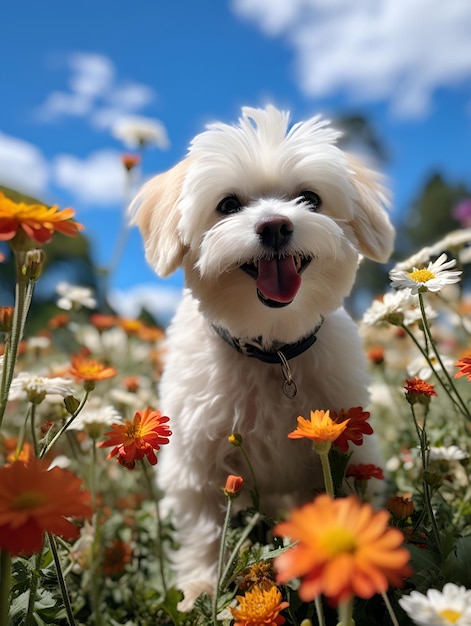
[[208, 389]]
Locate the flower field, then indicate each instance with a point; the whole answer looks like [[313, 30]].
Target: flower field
[[82, 538]]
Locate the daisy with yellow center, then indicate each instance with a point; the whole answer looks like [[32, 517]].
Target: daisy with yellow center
[[260, 607], [343, 549], [452, 605], [138, 438], [34, 221], [432, 278]]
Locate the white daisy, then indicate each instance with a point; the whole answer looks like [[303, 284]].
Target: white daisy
[[454, 239], [421, 368], [34, 388], [136, 131], [447, 453], [432, 278], [391, 308], [74, 296], [452, 605], [94, 420]]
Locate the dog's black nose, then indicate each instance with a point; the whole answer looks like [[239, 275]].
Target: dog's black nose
[[275, 231]]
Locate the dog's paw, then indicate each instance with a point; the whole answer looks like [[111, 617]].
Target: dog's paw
[[191, 591]]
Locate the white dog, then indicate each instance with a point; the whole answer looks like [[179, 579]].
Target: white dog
[[268, 222]]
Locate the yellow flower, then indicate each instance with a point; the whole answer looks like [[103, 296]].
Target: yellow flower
[[260, 607], [319, 428]]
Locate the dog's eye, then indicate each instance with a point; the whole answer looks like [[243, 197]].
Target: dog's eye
[[229, 205], [311, 198]]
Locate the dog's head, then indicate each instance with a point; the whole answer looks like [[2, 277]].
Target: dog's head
[[267, 221]]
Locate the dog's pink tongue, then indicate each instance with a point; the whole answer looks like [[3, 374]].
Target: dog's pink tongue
[[278, 279]]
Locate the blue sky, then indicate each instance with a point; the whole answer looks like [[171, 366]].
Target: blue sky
[[71, 70]]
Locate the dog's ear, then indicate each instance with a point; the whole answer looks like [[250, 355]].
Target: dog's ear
[[155, 212], [371, 224]]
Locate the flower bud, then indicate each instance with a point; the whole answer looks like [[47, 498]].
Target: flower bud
[[33, 265], [6, 318], [235, 439], [233, 486], [399, 507]]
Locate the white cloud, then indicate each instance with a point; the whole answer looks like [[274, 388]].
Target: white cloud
[[95, 93], [99, 179], [374, 50], [160, 300], [22, 166]]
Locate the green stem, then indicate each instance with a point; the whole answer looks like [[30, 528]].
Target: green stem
[[33, 587], [246, 532], [160, 551], [256, 492], [422, 435], [428, 332], [346, 613], [390, 609], [5, 582], [34, 439], [23, 295], [49, 445], [319, 610], [60, 577], [328, 482], [222, 550], [427, 358], [96, 546]]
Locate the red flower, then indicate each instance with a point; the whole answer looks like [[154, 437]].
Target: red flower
[[418, 390], [357, 426], [364, 472], [465, 367], [138, 439]]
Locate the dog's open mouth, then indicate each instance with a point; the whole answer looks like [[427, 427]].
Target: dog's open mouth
[[278, 279]]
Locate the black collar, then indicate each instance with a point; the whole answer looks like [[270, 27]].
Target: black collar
[[253, 347]]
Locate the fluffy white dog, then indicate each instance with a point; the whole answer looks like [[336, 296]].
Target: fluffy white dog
[[268, 222]]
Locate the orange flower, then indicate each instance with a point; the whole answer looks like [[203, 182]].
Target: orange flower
[[138, 439], [343, 549], [401, 508], [259, 607], [233, 486], [376, 355], [130, 326], [465, 367], [6, 318], [418, 390], [103, 322], [36, 221], [357, 426], [319, 428], [33, 500], [130, 160], [87, 369]]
